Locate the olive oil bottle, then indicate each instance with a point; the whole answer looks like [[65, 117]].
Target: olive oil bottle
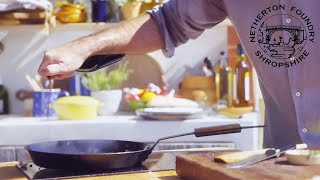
[[4, 99], [148, 5], [242, 80], [223, 78]]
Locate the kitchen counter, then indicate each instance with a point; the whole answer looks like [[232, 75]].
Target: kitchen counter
[[159, 165], [9, 171], [16, 132], [20, 131]]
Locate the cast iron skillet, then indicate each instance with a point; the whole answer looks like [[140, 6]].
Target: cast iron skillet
[[106, 154]]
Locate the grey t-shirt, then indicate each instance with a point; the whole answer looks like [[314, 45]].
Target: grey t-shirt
[[282, 41]]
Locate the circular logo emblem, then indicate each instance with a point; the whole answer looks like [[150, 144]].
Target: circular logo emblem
[[282, 41]]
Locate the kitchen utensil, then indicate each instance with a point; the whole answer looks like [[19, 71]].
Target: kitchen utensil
[[35, 86], [76, 107], [97, 62], [37, 79], [202, 166], [270, 153], [1, 46], [303, 157], [157, 161], [107, 154], [42, 99], [207, 67], [51, 81]]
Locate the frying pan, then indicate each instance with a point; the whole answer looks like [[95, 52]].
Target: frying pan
[[107, 154]]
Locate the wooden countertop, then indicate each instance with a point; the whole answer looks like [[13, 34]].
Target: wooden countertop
[[10, 172]]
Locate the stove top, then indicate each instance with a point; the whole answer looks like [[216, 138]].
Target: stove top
[[157, 161]]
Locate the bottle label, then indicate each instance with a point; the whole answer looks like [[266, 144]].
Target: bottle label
[[1, 106], [230, 89], [235, 87], [247, 86], [217, 81]]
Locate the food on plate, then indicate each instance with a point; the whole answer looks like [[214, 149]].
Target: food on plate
[[167, 101], [147, 96], [140, 98]]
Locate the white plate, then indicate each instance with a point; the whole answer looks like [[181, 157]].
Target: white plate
[[174, 113], [303, 157]]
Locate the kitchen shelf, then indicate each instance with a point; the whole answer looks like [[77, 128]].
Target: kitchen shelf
[[72, 26], [58, 27]]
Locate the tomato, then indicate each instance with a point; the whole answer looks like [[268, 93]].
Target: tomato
[[147, 96]]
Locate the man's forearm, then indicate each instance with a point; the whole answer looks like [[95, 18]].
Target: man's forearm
[[135, 36]]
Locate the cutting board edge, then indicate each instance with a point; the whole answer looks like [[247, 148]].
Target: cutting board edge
[[187, 168]]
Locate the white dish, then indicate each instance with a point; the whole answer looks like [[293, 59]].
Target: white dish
[[303, 157], [174, 113]]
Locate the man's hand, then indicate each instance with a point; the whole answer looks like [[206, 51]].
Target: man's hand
[[136, 36], [61, 62]]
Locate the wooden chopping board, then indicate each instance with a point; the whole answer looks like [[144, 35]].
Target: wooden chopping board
[[203, 166]]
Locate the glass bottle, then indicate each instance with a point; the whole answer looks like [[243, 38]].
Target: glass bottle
[[225, 83], [242, 80], [4, 99], [148, 5]]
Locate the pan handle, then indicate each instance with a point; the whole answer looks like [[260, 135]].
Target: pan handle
[[209, 131], [216, 130]]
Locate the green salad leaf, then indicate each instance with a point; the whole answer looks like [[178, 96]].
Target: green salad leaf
[[103, 80]]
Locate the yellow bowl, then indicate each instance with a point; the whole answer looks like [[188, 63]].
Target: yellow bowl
[[71, 7], [71, 17], [76, 107]]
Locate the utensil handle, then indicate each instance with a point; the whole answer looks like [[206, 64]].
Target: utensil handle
[[96, 62], [216, 130], [284, 149]]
